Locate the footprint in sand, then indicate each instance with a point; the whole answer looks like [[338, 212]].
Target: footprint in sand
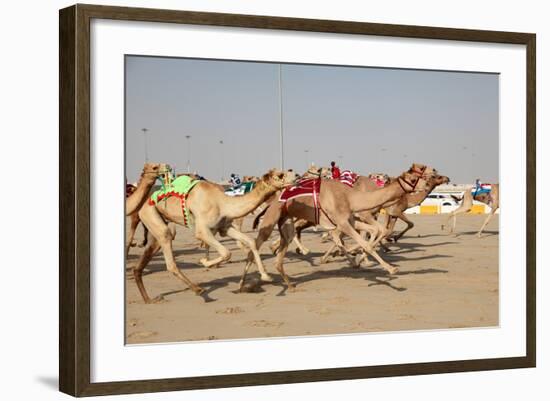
[[340, 300], [230, 310], [321, 310], [265, 323]]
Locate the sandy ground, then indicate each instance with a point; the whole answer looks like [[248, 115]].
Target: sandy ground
[[445, 281]]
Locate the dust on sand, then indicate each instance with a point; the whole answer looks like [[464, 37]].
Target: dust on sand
[[445, 281]]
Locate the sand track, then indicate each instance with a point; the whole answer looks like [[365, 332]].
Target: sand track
[[445, 281]]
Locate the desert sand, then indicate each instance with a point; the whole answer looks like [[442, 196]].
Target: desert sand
[[445, 281]]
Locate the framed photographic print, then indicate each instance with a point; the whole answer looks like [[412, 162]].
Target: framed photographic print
[[251, 200]]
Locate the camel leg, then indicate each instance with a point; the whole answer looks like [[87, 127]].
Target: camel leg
[[486, 222], [286, 228], [265, 229], [299, 226], [238, 224], [409, 223], [364, 228], [390, 225], [163, 236], [453, 215], [145, 258], [251, 244], [133, 225], [275, 245], [143, 243], [166, 244], [300, 248], [205, 234], [337, 238], [348, 229], [328, 253]]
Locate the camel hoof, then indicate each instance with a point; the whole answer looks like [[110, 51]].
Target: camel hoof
[[250, 287], [358, 259], [298, 251], [204, 262], [157, 300], [291, 288], [392, 270], [198, 290], [141, 245], [267, 278]]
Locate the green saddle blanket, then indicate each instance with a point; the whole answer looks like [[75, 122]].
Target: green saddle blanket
[[180, 187]]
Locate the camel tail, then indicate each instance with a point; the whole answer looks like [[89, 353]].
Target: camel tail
[[257, 218]]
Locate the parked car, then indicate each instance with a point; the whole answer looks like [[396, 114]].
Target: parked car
[[441, 199]]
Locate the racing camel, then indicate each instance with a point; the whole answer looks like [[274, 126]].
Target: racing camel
[[490, 198], [333, 208], [212, 211]]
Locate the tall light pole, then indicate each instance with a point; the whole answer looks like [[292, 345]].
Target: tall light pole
[[282, 161], [145, 140], [188, 153], [221, 159]]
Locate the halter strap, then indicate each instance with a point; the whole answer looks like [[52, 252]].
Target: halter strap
[[419, 173], [399, 179]]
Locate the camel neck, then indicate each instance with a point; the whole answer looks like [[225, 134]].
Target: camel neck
[[414, 198], [136, 200], [239, 206], [360, 201]]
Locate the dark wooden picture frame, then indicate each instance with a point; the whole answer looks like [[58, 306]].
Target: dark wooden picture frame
[[74, 202]]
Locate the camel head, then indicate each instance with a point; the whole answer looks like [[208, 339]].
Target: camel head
[[321, 172], [424, 171], [380, 177], [439, 180], [279, 179], [153, 171], [411, 181], [250, 178], [296, 175]]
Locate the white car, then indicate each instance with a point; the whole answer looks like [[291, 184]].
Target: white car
[[441, 199]]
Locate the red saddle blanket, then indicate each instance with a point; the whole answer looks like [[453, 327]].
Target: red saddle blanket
[[348, 177], [307, 187]]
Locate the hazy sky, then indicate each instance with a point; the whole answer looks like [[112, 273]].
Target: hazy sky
[[366, 119]]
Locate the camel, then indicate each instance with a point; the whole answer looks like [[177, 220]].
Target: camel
[[312, 172], [377, 230], [212, 212], [393, 212], [396, 211], [491, 199], [338, 204], [250, 178], [150, 173]]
